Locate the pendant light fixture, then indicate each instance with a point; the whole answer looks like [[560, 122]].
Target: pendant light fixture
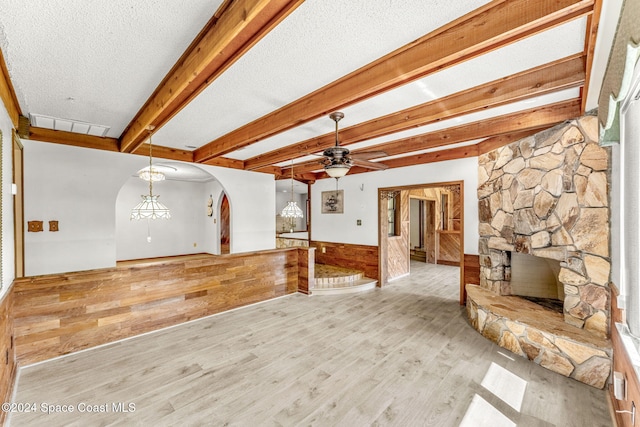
[[292, 210], [150, 208]]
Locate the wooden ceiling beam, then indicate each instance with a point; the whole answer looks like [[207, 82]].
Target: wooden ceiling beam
[[434, 156], [8, 94], [558, 75], [74, 139], [226, 162], [499, 141], [109, 144], [589, 48], [534, 118], [274, 170], [514, 125], [165, 153], [239, 26], [304, 167], [307, 178], [485, 29]]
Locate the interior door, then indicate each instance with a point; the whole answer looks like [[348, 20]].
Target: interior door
[[225, 226]]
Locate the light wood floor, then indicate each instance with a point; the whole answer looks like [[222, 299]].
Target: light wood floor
[[403, 356]]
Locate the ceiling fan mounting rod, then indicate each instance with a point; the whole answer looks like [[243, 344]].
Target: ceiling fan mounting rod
[[336, 116]]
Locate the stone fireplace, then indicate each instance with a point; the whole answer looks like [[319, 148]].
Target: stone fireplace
[[546, 196]]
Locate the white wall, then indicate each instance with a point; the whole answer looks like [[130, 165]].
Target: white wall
[[79, 188], [252, 202], [361, 193], [8, 251]]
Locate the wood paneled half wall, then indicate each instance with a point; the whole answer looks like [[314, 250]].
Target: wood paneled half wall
[[623, 366], [8, 365], [359, 257], [470, 275], [65, 313]]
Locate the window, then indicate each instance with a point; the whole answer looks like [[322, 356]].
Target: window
[[393, 214], [444, 211], [625, 205]]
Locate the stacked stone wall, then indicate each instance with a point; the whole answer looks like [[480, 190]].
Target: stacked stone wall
[[547, 195]]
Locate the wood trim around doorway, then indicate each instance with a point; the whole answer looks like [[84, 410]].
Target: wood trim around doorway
[[18, 204], [382, 269]]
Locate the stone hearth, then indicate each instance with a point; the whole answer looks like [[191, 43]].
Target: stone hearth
[[541, 335], [547, 196]]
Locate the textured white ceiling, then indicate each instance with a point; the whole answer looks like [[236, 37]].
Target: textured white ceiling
[[99, 61], [95, 61], [318, 43]]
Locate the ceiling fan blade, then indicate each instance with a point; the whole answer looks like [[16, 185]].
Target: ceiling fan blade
[[366, 155], [369, 165]]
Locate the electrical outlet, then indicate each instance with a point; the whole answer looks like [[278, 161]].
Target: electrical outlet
[[619, 386], [324, 250], [359, 222]]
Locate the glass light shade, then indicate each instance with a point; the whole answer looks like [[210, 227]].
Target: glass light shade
[[150, 208], [291, 211], [150, 174], [337, 171]]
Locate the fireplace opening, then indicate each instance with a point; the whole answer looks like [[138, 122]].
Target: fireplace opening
[[536, 279]]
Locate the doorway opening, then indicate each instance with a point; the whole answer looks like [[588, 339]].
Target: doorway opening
[[422, 239], [425, 223], [225, 225], [194, 197]]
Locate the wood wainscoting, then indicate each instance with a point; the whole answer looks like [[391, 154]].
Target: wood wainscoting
[[357, 257], [471, 271], [8, 365], [64, 313], [470, 275], [448, 247], [306, 270], [622, 363]]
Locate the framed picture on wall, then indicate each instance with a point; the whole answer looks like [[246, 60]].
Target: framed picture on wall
[[333, 202]]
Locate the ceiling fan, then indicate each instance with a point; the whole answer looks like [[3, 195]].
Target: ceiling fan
[[338, 160]]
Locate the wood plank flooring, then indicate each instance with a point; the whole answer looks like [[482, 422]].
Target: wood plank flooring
[[403, 355]]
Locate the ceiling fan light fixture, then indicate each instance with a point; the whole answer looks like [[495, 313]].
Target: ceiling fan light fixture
[[337, 170], [338, 160]]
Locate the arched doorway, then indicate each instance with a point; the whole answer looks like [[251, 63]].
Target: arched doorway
[[193, 227]]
